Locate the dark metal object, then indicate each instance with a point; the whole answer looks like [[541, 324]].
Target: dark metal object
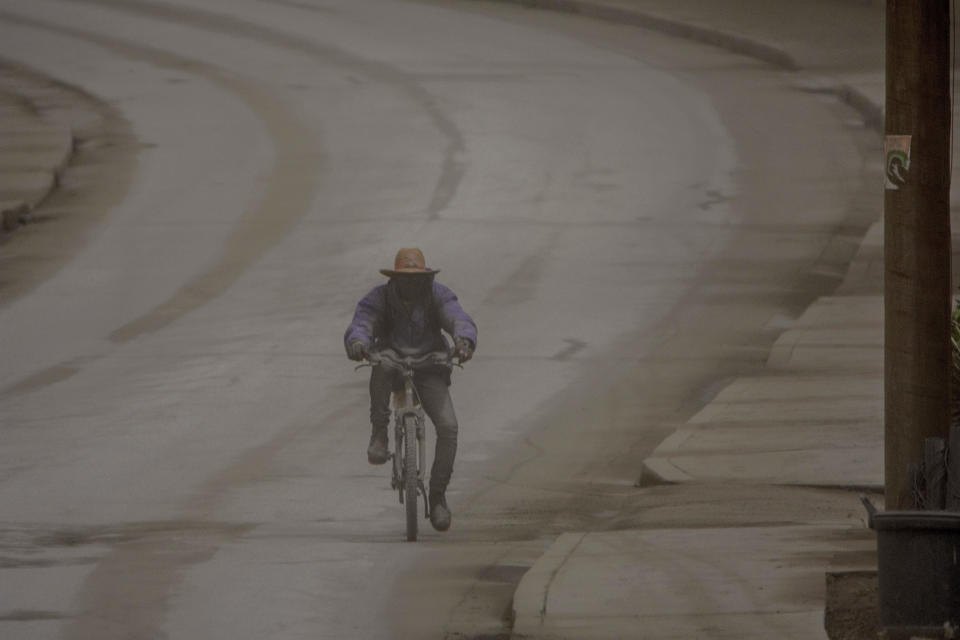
[[935, 473], [918, 554], [953, 469]]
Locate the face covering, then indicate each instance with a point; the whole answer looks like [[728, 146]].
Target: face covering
[[413, 289]]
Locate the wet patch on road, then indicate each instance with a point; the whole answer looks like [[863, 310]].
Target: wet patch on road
[[29, 616], [133, 567]]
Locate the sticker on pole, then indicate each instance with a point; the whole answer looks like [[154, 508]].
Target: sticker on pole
[[897, 152]]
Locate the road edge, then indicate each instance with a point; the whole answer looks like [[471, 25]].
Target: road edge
[[531, 594], [869, 109], [28, 88]]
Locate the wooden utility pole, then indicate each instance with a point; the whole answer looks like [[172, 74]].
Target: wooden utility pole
[[916, 237]]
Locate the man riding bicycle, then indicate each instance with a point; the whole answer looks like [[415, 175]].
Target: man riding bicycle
[[407, 315]]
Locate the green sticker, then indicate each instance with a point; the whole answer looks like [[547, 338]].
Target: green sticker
[[897, 165]]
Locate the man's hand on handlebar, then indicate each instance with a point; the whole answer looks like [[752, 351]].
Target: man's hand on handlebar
[[358, 351], [462, 349]]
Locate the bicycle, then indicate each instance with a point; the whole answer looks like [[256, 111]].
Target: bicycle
[[410, 439]]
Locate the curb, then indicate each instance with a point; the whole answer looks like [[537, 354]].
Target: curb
[[871, 112], [13, 214], [530, 597], [659, 470], [737, 44]]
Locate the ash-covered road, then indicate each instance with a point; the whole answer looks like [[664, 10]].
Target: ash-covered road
[[626, 216]]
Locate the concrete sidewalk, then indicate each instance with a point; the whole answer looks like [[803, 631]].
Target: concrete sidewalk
[[679, 584], [813, 418]]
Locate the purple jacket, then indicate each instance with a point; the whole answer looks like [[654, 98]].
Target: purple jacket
[[383, 321]]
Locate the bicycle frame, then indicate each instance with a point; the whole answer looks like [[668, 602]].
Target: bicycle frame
[[406, 406]]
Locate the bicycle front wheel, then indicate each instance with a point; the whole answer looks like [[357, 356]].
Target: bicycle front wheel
[[410, 477]]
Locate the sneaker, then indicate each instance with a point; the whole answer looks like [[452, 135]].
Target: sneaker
[[377, 452], [439, 512]]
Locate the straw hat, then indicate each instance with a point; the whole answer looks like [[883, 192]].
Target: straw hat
[[409, 261]]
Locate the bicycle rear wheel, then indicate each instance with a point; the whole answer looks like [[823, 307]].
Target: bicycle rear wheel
[[410, 477]]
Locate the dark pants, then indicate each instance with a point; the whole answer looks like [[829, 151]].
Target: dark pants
[[433, 389]]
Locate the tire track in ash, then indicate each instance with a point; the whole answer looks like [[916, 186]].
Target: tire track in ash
[[127, 595], [253, 238], [129, 592], [290, 188], [453, 168]]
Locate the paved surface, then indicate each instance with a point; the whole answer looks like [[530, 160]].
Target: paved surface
[[36, 142], [813, 417], [185, 449], [167, 341], [679, 583]]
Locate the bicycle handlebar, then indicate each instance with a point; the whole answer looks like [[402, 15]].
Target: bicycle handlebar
[[392, 360]]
